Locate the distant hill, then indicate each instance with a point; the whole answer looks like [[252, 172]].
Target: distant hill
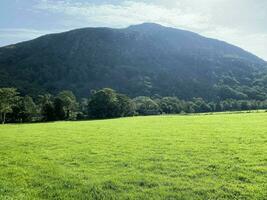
[[147, 59]]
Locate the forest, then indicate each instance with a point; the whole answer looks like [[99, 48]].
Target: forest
[[106, 103], [141, 60]]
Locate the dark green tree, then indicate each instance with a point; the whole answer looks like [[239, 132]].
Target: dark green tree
[[48, 112], [46, 105], [8, 98], [70, 103], [28, 109], [170, 105], [103, 104], [83, 109], [201, 106], [59, 109], [125, 105], [106, 103], [146, 106]]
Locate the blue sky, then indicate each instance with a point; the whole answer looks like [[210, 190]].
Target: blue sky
[[240, 22]]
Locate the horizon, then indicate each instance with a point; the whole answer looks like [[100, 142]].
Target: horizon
[[143, 23], [33, 19]]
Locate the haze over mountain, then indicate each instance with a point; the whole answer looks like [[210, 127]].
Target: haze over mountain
[[145, 59]]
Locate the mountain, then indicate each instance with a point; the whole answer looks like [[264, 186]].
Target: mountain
[[146, 59]]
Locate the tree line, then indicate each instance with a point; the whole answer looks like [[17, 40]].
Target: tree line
[[104, 104]]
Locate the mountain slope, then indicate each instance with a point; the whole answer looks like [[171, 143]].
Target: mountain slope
[[145, 59]]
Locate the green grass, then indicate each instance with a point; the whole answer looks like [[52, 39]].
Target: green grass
[[221, 156]]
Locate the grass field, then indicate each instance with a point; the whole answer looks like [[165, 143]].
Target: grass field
[[221, 156]]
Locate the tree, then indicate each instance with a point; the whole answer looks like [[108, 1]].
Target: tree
[[69, 103], [226, 92], [48, 112], [106, 103], [201, 106], [59, 109], [103, 104], [219, 107], [46, 106], [125, 105], [170, 105], [146, 106], [24, 110], [28, 109], [83, 109], [8, 97]]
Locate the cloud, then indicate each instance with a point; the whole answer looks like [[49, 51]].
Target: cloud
[[124, 14], [240, 22], [253, 42], [11, 36]]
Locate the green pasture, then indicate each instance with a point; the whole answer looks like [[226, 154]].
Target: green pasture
[[219, 156]]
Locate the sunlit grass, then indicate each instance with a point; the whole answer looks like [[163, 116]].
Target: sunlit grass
[[221, 156]]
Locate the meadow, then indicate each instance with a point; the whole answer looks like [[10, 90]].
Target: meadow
[[219, 156]]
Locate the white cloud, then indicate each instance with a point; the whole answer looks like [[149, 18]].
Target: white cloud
[[124, 14], [11, 36], [253, 42], [240, 22]]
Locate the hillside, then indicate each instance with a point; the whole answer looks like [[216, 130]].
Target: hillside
[[219, 156], [146, 59]]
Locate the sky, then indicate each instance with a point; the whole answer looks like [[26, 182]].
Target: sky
[[239, 22]]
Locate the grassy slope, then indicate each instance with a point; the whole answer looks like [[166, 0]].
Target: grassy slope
[[219, 156]]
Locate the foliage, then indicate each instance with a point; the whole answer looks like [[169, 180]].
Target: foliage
[[170, 105], [125, 105], [106, 103], [146, 106], [8, 97], [69, 103], [60, 112], [24, 110], [138, 61], [47, 107]]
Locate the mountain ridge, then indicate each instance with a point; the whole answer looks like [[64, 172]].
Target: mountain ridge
[[137, 60], [136, 27]]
